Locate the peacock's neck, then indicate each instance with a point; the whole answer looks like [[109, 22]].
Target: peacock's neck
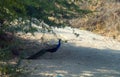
[[59, 43]]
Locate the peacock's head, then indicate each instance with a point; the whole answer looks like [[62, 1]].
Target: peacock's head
[[60, 40]]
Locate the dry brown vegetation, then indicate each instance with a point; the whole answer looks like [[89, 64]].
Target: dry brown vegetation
[[104, 20]]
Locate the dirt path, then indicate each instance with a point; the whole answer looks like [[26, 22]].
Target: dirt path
[[88, 55]]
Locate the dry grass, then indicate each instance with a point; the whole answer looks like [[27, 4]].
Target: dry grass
[[105, 19]]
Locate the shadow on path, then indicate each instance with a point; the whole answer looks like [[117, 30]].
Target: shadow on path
[[76, 61]]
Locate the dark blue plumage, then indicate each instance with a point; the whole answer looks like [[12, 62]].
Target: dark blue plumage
[[41, 52], [56, 48]]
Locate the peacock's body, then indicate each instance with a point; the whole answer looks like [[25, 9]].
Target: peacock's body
[[41, 52]]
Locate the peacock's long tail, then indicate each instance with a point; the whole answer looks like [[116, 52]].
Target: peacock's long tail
[[36, 55], [42, 52]]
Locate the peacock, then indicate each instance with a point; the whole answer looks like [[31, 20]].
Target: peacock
[[43, 51]]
